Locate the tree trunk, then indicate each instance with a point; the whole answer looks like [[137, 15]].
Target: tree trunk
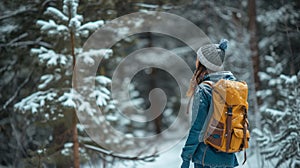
[[74, 120], [255, 58], [253, 40], [75, 142]]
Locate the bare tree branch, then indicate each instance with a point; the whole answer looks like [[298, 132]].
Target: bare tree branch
[[27, 43], [148, 158], [17, 12], [18, 38], [7, 67], [17, 90]]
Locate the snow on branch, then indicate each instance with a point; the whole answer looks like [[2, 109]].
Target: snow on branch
[[103, 80], [52, 29], [71, 21], [88, 56], [289, 80], [75, 22], [274, 113], [264, 76], [68, 99], [57, 14], [50, 57], [46, 79], [92, 26], [35, 101], [101, 96], [153, 7], [70, 7]]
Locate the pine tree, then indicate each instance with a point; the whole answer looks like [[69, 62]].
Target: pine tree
[[55, 98], [278, 139]]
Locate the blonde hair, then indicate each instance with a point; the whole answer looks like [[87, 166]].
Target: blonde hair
[[197, 78]]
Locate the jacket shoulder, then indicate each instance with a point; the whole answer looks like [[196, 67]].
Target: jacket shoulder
[[203, 88]]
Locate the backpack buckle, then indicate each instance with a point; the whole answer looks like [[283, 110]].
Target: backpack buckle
[[229, 111]]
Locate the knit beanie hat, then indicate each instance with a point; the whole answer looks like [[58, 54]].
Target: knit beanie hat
[[212, 55]]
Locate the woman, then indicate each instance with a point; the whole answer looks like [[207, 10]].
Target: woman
[[209, 67]]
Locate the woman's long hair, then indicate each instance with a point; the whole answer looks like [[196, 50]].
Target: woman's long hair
[[197, 78]]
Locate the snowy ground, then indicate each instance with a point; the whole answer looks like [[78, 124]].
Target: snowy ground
[[168, 159], [171, 159]]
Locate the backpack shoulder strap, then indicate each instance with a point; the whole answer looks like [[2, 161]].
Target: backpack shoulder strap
[[210, 83]]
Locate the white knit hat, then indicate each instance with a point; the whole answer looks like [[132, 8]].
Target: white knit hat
[[212, 55]]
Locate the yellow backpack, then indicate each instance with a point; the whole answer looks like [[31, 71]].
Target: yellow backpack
[[227, 127]]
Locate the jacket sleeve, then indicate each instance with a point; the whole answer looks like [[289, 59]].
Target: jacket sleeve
[[200, 108]]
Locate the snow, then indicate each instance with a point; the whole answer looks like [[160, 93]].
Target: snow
[[101, 97], [271, 70], [83, 106], [112, 118], [67, 99], [74, 23], [88, 60], [122, 31], [270, 18], [68, 145], [62, 28], [264, 93], [46, 80], [8, 28], [139, 118], [273, 112], [35, 101], [39, 151], [52, 28], [39, 101], [152, 6], [50, 57], [138, 22], [289, 80], [58, 14], [264, 76], [172, 159], [70, 5], [46, 25], [274, 82], [92, 26], [88, 56], [65, 151]]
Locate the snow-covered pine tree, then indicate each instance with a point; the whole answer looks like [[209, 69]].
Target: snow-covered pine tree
[[279, 138], [54, 100]]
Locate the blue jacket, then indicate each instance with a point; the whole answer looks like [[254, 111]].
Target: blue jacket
[[197, 151]]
